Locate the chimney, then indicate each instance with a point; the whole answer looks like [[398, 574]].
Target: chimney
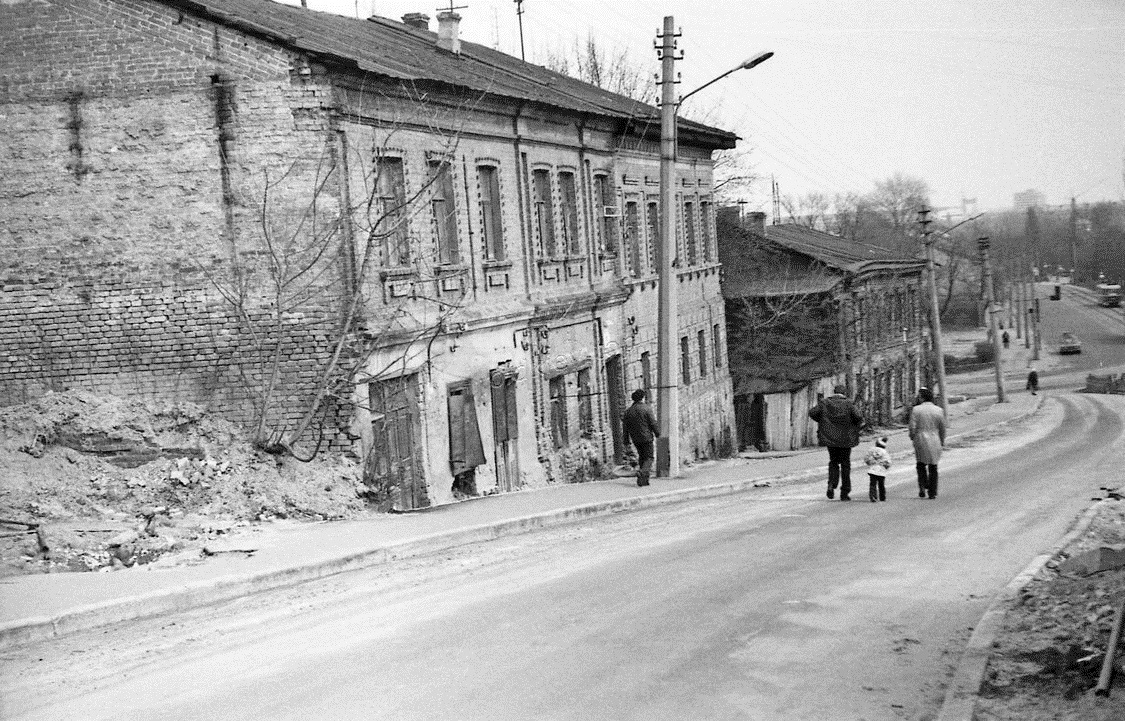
[[418, 21], [756, 222], [447, 34]]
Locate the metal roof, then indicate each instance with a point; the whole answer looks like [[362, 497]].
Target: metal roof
[[833, 251], [395, 50]]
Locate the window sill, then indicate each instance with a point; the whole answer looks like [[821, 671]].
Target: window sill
[[397, 273], [496, 264]]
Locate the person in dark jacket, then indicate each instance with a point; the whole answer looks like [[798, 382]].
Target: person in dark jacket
[[641, 428], [837, 426], [1033, 381]]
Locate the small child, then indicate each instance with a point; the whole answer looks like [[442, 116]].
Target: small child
[[878, 461]]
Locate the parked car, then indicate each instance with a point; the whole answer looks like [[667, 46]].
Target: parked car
[[1069, 344]]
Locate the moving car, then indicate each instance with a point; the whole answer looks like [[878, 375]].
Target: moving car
[[1069, 344]]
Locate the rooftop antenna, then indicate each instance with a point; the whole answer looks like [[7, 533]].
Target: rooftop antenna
[[519, 15]]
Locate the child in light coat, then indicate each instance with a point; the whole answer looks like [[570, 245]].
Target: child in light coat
[[878, 461]]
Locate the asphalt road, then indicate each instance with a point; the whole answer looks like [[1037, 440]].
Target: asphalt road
[[1101, 330], [778, 606]]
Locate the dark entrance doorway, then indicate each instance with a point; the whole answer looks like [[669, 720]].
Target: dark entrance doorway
[[615, 400]]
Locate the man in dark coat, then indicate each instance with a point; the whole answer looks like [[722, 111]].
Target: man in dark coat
[[837, 425], [641, 428]]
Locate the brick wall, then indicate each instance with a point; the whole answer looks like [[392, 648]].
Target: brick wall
[[140, 147]]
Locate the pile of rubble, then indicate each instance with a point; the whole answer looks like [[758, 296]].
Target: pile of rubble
[[90, 482], [1047, 659]]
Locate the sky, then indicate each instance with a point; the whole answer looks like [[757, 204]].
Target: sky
[[978, 98]]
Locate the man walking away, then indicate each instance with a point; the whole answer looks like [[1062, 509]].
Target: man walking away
[[837, 426], [641, 428], [1033, 381], [927, 431]]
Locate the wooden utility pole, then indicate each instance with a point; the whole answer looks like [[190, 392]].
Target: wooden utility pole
[[935, 309], [991, 311], [667, 384]]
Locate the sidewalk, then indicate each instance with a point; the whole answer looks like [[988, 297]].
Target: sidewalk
[[41, 606]]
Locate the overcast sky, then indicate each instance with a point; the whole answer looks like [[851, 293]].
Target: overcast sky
[[979, 98]]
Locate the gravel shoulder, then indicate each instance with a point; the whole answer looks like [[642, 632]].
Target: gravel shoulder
[[1048, 655]]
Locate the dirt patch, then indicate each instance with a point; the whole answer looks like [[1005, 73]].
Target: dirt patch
[[1049, 653], [90, 482]]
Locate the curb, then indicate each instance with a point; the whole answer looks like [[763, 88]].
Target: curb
[[225, 588], [960, 699]]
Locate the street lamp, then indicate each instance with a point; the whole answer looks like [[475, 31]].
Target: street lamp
[[668, 384]]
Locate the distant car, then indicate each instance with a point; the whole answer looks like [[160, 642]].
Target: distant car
[[1069, 345]]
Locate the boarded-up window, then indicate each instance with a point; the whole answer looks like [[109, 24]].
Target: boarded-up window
[[557, 391], [654, 243], [689, 234], [585, 403], [490, 216], [603, 199], [465, 449], [444, 211], [633, 240], [685, 361], [706, 222], [702, 337], [568, 200], [391, 223], [544, 213]]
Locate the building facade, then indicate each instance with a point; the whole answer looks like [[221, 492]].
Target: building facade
[[359, 235]]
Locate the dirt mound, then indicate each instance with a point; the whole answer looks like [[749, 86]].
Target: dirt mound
[[89, 481], [1048, 656]]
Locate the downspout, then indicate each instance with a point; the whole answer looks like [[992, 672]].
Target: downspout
[[591, 252], [520, 181]]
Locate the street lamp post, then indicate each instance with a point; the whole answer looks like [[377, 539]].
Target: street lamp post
[[668, 382], [935, 309]]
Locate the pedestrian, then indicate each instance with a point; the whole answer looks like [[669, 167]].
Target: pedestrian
[[1006, 339], [837, 426], [641, 428], [878, 461], [927, 431], [1033, 382]]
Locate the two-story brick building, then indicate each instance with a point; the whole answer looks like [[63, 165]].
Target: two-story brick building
[[807, 310], [355, 234]]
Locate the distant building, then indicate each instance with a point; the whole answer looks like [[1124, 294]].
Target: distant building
[[807, 310], [1029, 198]]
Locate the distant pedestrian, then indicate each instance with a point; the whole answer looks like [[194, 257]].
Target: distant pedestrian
[[927, 431], [1006, 339], [837, 426], [878, 460], [1033, 382], [641, 428]]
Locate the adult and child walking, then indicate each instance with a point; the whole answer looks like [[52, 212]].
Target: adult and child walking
[[838, 425]]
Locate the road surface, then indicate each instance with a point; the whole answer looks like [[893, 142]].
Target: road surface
[[775, 605]]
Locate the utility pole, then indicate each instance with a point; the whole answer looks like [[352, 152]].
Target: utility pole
[[519, 16], [935, 310], [991, 309], [1033, 319], [667, 390], [1074, 240], [1017, 291]]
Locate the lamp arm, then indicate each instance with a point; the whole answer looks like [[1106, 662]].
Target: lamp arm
[[704, 85]]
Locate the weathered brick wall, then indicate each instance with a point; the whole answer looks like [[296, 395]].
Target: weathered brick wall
[[138, 149]]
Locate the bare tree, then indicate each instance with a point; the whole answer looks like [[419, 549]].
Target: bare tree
[[317, 248], [611, 69]]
